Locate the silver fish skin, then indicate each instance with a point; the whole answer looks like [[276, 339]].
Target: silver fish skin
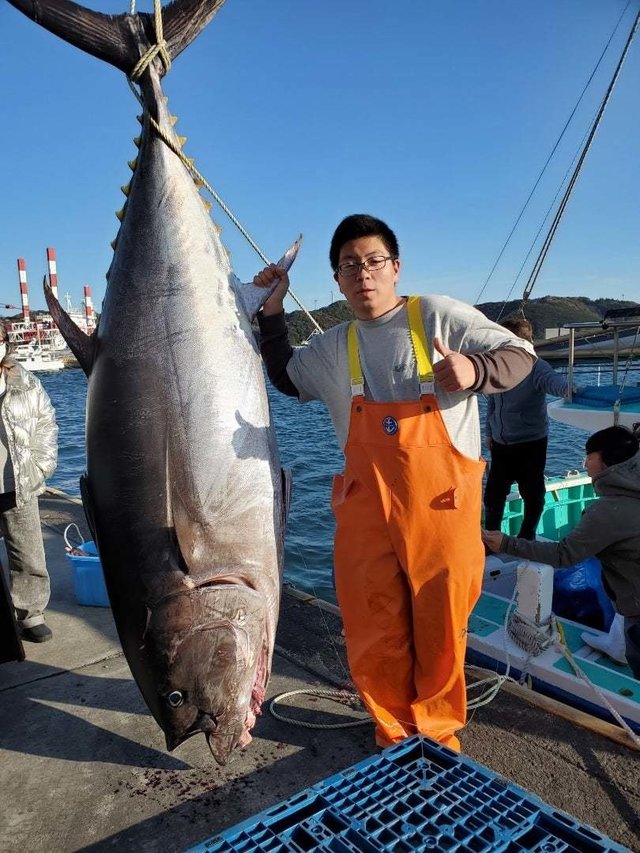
[[184, 491]]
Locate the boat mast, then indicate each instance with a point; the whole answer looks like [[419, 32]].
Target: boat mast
[[565, 199]]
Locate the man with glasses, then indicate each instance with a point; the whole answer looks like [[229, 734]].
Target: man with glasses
[[28, 455], [399, 383]]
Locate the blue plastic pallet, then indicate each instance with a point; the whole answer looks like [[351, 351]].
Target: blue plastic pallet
[[415, 796]]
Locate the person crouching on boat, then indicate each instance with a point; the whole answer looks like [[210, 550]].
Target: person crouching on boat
[[609, 530], [400, 383], [28, 455]]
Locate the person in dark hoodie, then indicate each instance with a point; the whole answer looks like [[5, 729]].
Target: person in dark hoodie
[[517, 428], [609, 529]]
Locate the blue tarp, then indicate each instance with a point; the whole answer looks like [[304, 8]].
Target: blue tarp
[[604, 396], [578, 594]]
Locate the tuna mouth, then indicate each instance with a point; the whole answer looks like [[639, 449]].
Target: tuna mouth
[[226, 580], [223, 744], [204, 723]]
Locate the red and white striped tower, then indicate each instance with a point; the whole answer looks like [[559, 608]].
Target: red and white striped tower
[[53, 271], [24, 289], [88, 308]]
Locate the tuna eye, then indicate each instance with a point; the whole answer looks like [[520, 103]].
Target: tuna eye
[[175, 698]]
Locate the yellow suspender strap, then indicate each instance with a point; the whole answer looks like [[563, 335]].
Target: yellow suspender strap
[[355, 368], [419, 344]]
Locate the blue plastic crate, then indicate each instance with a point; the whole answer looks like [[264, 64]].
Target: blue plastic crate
[[415, 796], [88, 578]]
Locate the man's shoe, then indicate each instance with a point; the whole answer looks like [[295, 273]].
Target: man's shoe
[[37, 633]]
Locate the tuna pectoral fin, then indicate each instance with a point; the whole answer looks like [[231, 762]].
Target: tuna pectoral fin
[[80, 344], [252, 297]]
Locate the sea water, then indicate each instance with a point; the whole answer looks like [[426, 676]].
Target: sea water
[[308, 448]]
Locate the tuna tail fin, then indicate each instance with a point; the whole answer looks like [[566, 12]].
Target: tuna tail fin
[[252, 297], [118, 39], [81, 345]]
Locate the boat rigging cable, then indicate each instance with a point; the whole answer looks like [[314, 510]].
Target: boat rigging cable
[[565, 199], [159, 48], [550, 156]]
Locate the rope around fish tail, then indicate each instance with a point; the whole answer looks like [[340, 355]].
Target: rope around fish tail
[[160, 49]]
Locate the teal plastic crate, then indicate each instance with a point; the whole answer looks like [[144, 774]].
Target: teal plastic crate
[[415, 796], [88, 577]]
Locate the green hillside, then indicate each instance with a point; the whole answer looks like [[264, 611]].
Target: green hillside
[[548, 312]]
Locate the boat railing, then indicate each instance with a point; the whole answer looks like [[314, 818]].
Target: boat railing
[[613, 320]]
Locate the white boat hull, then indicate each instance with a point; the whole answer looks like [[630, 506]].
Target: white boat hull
[[591, 419], [36, 365], [489, 645]]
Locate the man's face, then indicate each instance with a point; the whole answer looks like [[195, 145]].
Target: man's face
[[370, 293]]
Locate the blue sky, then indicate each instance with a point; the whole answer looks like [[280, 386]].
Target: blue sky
[[436, 115]]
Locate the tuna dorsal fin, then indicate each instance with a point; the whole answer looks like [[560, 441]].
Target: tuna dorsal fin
[[252, 297], [117, 39], [80, 344]]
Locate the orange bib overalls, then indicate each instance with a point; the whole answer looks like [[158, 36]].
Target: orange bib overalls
[[408, 555]]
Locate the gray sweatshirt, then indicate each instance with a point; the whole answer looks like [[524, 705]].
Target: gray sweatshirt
[[609, 529], [320, 370]]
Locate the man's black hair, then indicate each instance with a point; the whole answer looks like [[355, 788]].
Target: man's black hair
[[615, 444], [361, 225]]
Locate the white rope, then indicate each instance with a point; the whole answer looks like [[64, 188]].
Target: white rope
[[136, 73], [562, 646], [343, 696], [495, 681]]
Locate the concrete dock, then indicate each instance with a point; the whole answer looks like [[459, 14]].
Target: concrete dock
[[83, 765]]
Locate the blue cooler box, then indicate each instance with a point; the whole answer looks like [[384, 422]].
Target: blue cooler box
[[88, 579]]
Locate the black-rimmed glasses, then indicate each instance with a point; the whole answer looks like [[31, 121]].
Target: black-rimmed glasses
[[350, 268]]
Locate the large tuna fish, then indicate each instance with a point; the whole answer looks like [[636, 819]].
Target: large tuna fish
[[184, 491]]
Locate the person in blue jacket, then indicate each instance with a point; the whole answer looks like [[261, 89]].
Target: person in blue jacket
[[517, 429]]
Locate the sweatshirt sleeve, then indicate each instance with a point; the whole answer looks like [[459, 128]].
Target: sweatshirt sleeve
[[276, 351], [595, 532], [546, 379], [500, 369]]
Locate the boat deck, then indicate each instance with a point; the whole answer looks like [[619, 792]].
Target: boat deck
[[83, 766]]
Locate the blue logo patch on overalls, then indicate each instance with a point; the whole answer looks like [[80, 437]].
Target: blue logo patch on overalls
[[390, 425]]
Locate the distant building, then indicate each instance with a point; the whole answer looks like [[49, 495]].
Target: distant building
[[554, 333]]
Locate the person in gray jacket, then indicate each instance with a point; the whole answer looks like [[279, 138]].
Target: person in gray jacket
[[517, 428], [28, 455], [609, 529]]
